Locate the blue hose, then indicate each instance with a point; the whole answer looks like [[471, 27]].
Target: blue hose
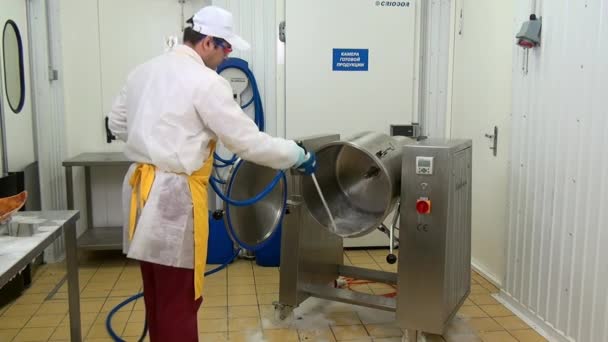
[[275, 181], [115, 310], [242, 65], [220, 162], [232, 160], [268, 189], [220, 166], [244, 203], [256, 100]]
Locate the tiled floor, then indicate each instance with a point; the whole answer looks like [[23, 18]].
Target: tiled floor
[[237, 307]]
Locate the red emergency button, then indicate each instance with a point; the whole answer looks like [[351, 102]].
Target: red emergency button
[[423, 206]]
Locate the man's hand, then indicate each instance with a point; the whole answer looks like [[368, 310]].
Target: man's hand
[[307, 163]]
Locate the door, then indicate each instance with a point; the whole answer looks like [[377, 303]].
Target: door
[[345, 74], [481, 102], [16, 96], [124, 44]]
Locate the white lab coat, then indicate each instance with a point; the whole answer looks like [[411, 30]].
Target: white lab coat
[[169, 110]]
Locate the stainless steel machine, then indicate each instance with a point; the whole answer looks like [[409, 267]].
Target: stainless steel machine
[[364, 178]]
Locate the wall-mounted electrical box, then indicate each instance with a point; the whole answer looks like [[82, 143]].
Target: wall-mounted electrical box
[[529, 35], [411, 131]]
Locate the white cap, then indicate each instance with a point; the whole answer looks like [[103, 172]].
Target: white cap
[[217, 22]]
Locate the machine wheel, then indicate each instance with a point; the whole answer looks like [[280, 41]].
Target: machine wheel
[[247, 255], [340, 283], [282, 312], [282, 315]]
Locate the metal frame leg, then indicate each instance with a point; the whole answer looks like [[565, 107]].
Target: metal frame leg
[[413, 336], [282, 311], [87, 182], [71, 256], [69, 185]]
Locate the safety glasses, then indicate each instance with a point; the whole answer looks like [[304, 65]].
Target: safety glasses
[[227, 48], [224, 45]]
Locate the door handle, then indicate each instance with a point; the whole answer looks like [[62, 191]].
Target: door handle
[[494, 138], [109, 135]]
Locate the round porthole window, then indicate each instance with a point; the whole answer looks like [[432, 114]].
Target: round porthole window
[[14, 74]]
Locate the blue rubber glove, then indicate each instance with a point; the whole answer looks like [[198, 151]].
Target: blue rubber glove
[[307, 162], [309, 166]]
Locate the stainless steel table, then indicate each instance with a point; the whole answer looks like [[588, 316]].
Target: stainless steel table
[[17, 252], [94, 238]]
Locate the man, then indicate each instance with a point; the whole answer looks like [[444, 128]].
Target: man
[[170, 113]]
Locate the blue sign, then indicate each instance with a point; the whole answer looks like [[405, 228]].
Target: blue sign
[[351, 60]]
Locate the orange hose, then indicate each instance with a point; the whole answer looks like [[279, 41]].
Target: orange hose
[[352, 281]]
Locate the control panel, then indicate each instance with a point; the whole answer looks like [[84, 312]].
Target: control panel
[[424, 165]]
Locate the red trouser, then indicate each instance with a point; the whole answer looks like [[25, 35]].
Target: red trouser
[[170, 305]]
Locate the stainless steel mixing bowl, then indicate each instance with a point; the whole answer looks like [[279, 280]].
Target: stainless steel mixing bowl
[[360, 178]]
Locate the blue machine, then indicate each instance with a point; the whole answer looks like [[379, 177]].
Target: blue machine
[[220, 247]]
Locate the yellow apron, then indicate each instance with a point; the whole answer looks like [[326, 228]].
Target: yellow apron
[[143, 178]]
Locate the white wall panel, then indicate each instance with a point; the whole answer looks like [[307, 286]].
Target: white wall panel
[[82, 75], [557, 264], [255, 22], [81, 79], [125, 43], [48, 99], [436, 62]]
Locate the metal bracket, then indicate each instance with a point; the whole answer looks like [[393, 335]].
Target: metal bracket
[[495, 140], [183, 16], [386, 230], [53, 74], [461, 21], [282, 311], [350, 297], [524, 63], [382, 153], [282, 31], [109, 135]]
